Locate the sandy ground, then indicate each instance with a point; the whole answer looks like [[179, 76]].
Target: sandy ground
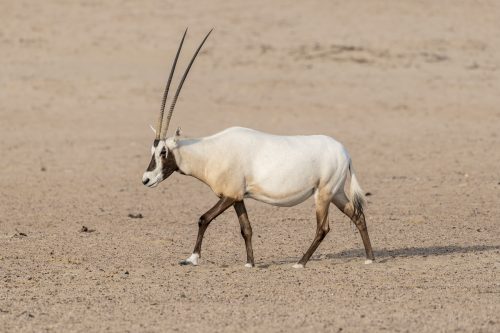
[[411, 88]]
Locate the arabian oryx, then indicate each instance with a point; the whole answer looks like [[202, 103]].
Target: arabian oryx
[[240, 163]]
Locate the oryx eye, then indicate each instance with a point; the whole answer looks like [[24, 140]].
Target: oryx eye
[[163, 152]]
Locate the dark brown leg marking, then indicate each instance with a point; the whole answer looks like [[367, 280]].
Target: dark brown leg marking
[[246, 229], [322, 229], [360, 223], [359, 220], [223, 204]]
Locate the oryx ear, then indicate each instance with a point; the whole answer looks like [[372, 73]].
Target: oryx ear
[[152, 128], [178, 133]]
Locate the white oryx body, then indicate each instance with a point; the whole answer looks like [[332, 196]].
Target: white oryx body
[[240, 163], [279, 170]]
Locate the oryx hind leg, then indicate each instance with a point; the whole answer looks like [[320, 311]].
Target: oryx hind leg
[[322, 226], [246, 230], [223, 204], [358, 218]]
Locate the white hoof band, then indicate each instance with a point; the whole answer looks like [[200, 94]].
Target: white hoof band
[[192, 260], [368, 261], [248, 265], [298, 266]]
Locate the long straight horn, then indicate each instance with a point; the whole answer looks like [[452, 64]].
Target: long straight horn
[[181, 83], [165, 93]]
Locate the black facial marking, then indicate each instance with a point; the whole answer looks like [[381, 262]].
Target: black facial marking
[[169, 165], [152, 164]]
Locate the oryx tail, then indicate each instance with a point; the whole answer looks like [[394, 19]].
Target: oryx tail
[[356, 194]]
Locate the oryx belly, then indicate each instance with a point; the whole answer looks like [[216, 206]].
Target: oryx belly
[[278, 198]]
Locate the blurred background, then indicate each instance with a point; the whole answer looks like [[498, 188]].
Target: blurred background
[[410, 88]]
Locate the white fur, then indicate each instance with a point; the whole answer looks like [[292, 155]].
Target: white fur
[[243, 163], [193, 259], [278, 170]]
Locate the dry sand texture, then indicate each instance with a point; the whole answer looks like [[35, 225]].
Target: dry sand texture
[[410, 87]]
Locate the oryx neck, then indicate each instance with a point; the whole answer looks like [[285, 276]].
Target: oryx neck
[[190, 157]]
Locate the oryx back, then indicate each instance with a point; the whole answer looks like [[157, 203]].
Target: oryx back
[[279, 170]]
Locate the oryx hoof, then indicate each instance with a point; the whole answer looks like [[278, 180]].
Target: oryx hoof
[[298, 266], [368, 261], [192, 260], [249, 265]]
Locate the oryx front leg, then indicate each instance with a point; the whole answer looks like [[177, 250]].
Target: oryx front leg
[[246, 231], [223, 204], [322, 228]]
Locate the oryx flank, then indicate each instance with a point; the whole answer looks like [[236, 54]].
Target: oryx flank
[[240, 163]]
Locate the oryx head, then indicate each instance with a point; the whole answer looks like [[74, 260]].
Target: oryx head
[[163, 162]]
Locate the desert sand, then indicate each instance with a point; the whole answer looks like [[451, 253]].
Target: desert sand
[[410, 88]]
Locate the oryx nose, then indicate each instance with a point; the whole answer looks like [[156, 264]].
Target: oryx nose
[[145, 181]]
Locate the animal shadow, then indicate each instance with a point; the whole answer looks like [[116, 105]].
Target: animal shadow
[[383, 255], [430, 251]]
